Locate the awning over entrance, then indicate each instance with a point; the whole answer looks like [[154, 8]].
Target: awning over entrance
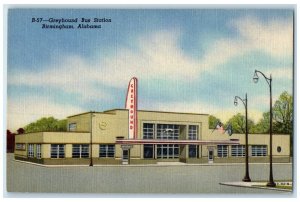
[[180, 142]]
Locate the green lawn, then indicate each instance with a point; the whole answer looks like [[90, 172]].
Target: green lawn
[[287, 187]]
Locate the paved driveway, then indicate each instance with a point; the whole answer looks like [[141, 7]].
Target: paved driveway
[[196, 179]]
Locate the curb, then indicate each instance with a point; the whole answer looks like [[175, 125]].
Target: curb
[[142, 165], [254, 187]]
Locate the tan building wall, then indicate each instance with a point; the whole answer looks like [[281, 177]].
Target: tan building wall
[[46, 149], [107, 126], [82, 122], [48, 138], [279, 140], [34, 138], [114, 123]]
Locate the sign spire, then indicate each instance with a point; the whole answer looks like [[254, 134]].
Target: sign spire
[[131, 105]]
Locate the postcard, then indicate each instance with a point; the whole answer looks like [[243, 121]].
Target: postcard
[[150, 100]]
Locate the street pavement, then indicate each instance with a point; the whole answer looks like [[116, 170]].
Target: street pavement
[[181, 179]]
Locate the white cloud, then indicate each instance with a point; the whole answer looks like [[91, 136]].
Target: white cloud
[[274, 37], [222, 51], [21, 112], [158, 55], [72, 75]]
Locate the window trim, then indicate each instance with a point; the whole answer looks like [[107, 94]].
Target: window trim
[[30, 152], [264, 150], [107, 152], [223, 155], [72, 124], [146, 131], [153, 151], [172, 134], [20, 146], [39, 151], [167, 147], [193, 133], [197, 151], [80, 151], [238, 151], [59, 146]]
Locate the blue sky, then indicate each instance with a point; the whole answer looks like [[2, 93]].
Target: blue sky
[[185, 60]]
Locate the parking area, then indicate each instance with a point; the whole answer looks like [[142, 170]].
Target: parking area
[[156, 179]]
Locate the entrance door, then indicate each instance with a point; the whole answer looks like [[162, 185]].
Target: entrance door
[[210, 156], [125, 156]]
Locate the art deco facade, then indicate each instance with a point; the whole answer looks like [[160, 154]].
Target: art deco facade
[[95, 138]]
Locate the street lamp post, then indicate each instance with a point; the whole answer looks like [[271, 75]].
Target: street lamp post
[[91, 140], [244, 101], [271, 182]]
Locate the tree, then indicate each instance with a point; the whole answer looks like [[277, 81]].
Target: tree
[[47, 125], [263, 126], [282, 118], [283, 114], [238, 123], [62, 125], [20, 131], [10, 141], [213, 121]]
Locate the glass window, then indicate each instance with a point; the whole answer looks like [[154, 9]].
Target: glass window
[[38, 151], [110, 150], [278, 149], [20, 146], [61, 151], [80, 151], [168, 131], [85, 151], [238, 150], [193, 151], [148, 131], [76, 151], [103, 151], [222, 150], [193, 132], [192, 135], [259, 150], [30, 150], [72, 126], [167, 151], [148, 151], [125, 155], [106, 150], [57, 151]]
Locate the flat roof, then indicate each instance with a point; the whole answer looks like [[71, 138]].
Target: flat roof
[[157, 111], [112, 110], [84, 113], [180, 142], [53, 132]]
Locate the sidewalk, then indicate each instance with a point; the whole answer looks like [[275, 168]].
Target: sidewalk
[[158, 164], [254, 185]]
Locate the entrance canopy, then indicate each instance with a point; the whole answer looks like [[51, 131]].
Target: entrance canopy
[[180, 142]]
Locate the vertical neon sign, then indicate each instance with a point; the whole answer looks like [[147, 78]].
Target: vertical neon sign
[[131, 105]]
